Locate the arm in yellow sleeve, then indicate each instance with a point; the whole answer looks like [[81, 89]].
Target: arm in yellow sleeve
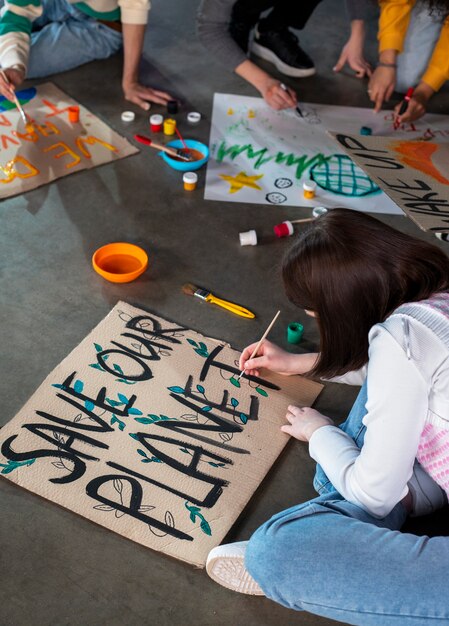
[[393, 23], [437, 71]]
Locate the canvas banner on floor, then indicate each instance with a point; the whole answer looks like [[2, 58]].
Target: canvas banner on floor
[[415, 174], [146, 429], [50, 146], [263, 156]]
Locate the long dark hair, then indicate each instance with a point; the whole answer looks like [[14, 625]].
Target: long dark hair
[[353, 271]]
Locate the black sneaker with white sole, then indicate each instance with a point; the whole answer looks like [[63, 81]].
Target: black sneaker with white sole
[[281, 47]]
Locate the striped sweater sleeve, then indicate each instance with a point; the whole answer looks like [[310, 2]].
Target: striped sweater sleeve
[[16, 18]]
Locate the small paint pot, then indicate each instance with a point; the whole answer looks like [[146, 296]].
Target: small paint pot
[[366, 130], [172, 107], [309, 189], [190, 180], [318, 211], [193, 118], [169, 126], [284, 230], [249, 238], [295, 331], [128, 116], [74, 114], [120, 262], [156, 122], [186, 166]]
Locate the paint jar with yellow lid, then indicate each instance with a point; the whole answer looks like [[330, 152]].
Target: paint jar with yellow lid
[[309, 188], [190, 180], [169, 126]]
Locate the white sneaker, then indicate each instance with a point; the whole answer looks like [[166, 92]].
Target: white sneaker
[[226, 565]]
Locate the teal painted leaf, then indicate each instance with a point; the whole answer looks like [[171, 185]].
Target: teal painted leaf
[[58, 386], [184, 450], [203, 346], [243, 417], [262, 392], [192, 516], [115, 420], [97, 366], [176, 389], [98, 348], [106, 357], [234, 402], [192, 343], [78, 386], [117, 368], [135, 412], [234, 382], [205, 528], [205, 409], [123, 398], [144, 420], [89, 405], [113, 402], [127, 382], [200, 388], [203, 353], [141, 452], [134, 436], [216, 464]]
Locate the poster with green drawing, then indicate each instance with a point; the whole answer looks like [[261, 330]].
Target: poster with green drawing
[[263, 156], [146, 429]]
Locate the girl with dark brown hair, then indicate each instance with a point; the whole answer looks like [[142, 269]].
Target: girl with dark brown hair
[[381, 301]]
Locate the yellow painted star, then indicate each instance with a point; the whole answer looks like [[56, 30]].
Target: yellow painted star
[[240, 181]]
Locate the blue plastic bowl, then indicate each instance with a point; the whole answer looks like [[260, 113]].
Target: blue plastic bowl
[[186, 166]]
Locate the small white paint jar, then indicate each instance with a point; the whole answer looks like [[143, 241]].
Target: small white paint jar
[[194, 117], [249, 238], [309, 189], [318, 211]]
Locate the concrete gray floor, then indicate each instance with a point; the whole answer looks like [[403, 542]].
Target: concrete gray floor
[[58, 569]]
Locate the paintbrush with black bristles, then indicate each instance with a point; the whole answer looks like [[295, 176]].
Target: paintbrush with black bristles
[[207, 296], [175, 153]]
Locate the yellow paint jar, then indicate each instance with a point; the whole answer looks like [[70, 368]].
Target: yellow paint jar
[[309, 188], [169, 126], [190, 180]]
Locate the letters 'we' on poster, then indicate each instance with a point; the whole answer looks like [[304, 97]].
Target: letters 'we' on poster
[[145, 429], [51, 147]]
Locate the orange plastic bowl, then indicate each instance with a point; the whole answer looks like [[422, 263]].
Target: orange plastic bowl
[[120, 262]]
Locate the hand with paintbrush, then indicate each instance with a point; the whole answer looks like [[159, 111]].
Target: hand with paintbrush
[[9, 80]]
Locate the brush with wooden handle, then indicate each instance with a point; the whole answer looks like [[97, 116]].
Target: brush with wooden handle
[[173, 152], [23, 115], [203, 294]]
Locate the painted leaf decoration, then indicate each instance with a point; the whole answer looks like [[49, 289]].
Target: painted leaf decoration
[[106, 357], [118, 485], [202, 352], [225, 436], [164, 352], [205, 527], [97, 366], [146, 507], [123, 398], [98, 348], [89, 405], [144, 420], [135, 412], [203, 346], [234, 382], [190, 417], [243, 417], [146, 460], [103, 507], [119, 514], [262, 392], [176, 389], [134, 436], [78, 418], [192, 343], [59, 464], [141, 452], [156, 460], [200, 388], [205, 409], [184, 450], [234, 402], [118, 368], [169, 519], [58, 386], [153, 416], [192, 516], [113, 402]]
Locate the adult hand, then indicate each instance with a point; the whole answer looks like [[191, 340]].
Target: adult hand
[[417, 105], [142, 96], [352, 52], [381, 86], [304, 422], [278, 97], [269, 356], [14, 78]]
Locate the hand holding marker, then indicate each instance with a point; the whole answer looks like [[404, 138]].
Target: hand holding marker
[[403, 108], [298, 110]]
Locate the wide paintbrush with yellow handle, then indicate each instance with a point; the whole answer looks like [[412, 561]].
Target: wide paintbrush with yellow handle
[[203, 294]]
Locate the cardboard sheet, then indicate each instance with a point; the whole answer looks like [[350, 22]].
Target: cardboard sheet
[[146, 430], [53, 147], [263, 156], [415, 174]]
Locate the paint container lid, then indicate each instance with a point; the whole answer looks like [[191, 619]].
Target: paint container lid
[[309, 185], [193, 117], [249, 238], [442, 236], [156, 119], [128, 116], [172, 106], [120, 262], [295, 331], [284, 230], [190, 178], [318, 211]]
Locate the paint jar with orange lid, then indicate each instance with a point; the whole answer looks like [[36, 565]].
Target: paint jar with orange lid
[[169, 126], [74, 114], [190, 180], [309, 188]]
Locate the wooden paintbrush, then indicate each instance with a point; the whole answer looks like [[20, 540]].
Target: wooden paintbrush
[[264, 336], [173, 152], [23, 115], [207, 296]]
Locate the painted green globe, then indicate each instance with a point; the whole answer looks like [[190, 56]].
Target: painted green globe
[[341, 176]]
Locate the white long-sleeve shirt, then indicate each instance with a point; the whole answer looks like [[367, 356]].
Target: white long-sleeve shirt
[[408, 386]]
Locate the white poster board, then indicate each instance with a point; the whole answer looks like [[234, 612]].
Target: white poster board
[[263, 156]]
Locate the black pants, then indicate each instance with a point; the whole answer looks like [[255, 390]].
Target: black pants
[[284, 13]]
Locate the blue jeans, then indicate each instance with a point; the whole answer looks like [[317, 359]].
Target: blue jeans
[[64, 38], [332, 558]]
